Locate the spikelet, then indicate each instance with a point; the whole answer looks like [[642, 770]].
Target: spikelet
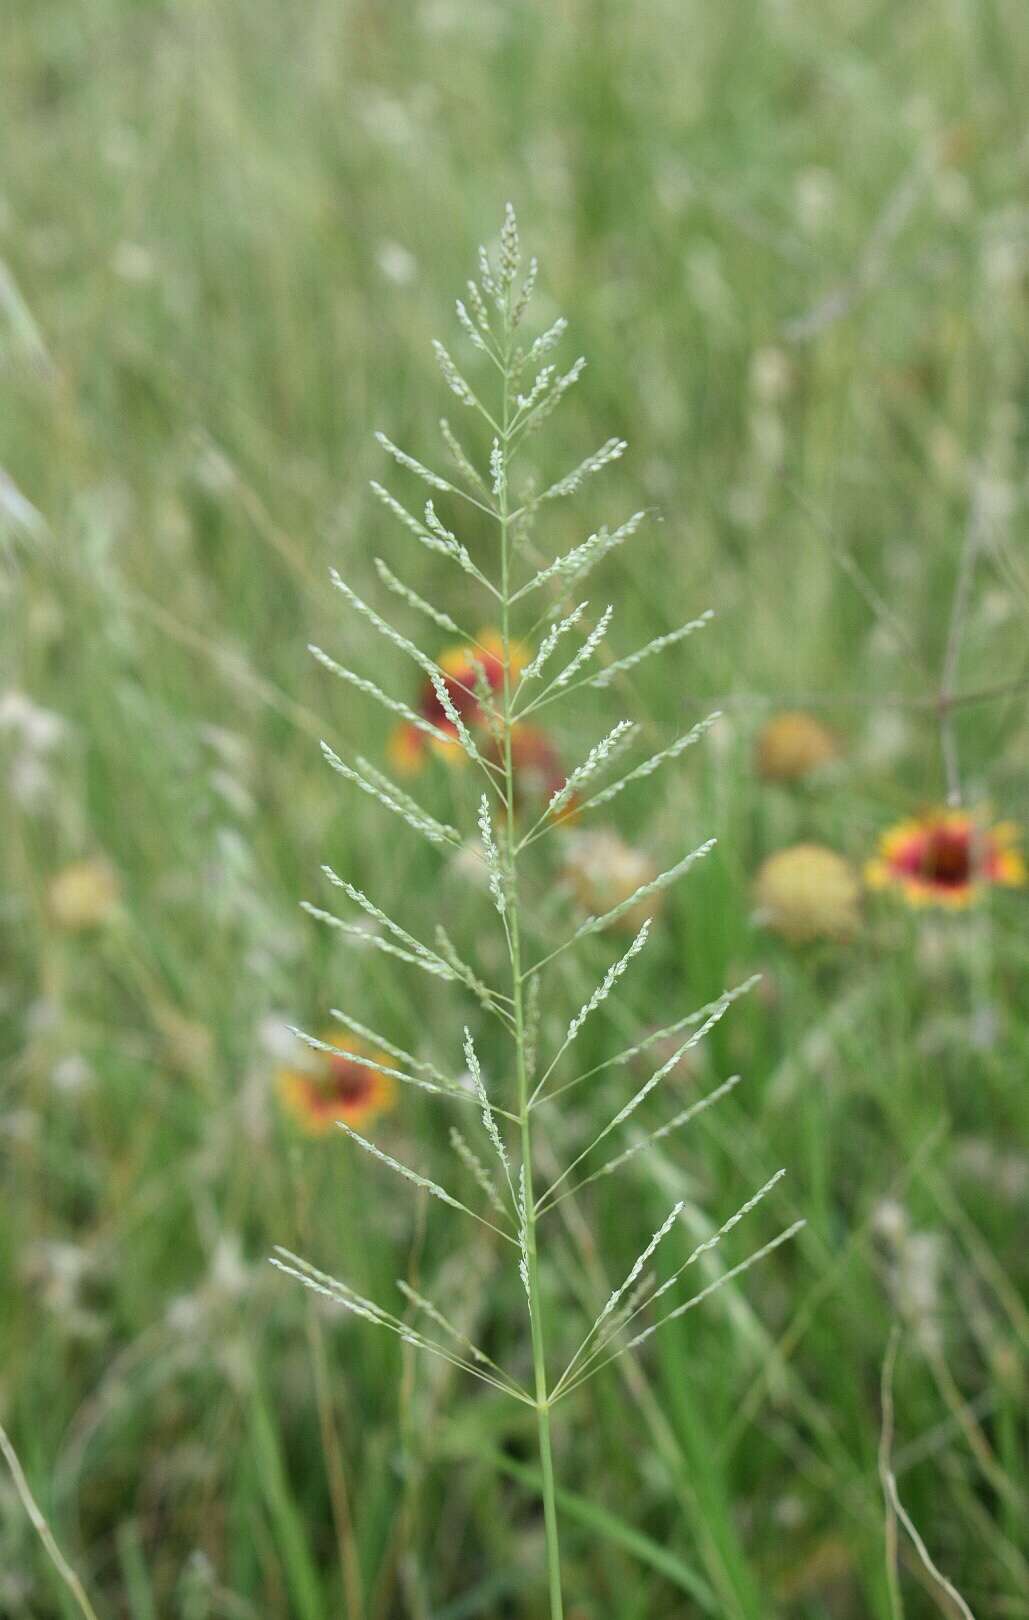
[[587, 649], [597, 756], [496, 876], [550, 641], [607, 984]]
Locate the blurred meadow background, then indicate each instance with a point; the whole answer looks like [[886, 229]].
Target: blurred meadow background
[[792, 237]]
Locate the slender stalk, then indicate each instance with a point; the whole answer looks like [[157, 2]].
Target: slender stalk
[[44, 1532], [518, 1034]]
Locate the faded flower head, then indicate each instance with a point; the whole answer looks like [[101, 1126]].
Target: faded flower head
[[37, 729], [30, 737], [771, 374], [915, 1261], [65, 1276], [808, 892], [84, 895], [946, 858], [793, 744], [602, 870], [323, 1087]]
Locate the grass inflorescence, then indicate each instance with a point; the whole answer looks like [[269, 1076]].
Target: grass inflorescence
[[495, 708]]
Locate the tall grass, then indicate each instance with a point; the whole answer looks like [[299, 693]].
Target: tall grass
[[484, 713]]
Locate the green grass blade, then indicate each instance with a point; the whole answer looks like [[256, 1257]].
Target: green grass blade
[[609, 1527], [287, 1523]]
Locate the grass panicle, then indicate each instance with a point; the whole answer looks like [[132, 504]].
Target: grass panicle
[[489, 320]]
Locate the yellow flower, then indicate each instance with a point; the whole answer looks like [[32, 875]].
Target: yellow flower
[[84, 895], [337, 1085], [406, 748], [792, 745], [946, 858], [808, 892], [602, 871]]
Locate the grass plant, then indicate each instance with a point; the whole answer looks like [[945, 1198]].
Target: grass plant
[[495, 710]]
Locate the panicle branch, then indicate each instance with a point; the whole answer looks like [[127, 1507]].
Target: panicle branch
[[587, 649], [603, 990], [550, 641], [659, 644], [573, 481], [420, 821], [406, 594]]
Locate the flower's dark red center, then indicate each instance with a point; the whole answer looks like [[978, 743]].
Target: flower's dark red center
[[348, 1083], [461, 690], [946, 858], [457, 688]]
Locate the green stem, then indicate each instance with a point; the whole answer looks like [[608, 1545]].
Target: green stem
[[518, 997], [46, 1535]]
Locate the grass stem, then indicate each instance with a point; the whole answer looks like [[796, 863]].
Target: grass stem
[[519, 1032], [43, 1530]]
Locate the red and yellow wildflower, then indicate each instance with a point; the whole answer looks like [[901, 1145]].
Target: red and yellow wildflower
[[946, 858], [337, 1085], [464, 668]]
